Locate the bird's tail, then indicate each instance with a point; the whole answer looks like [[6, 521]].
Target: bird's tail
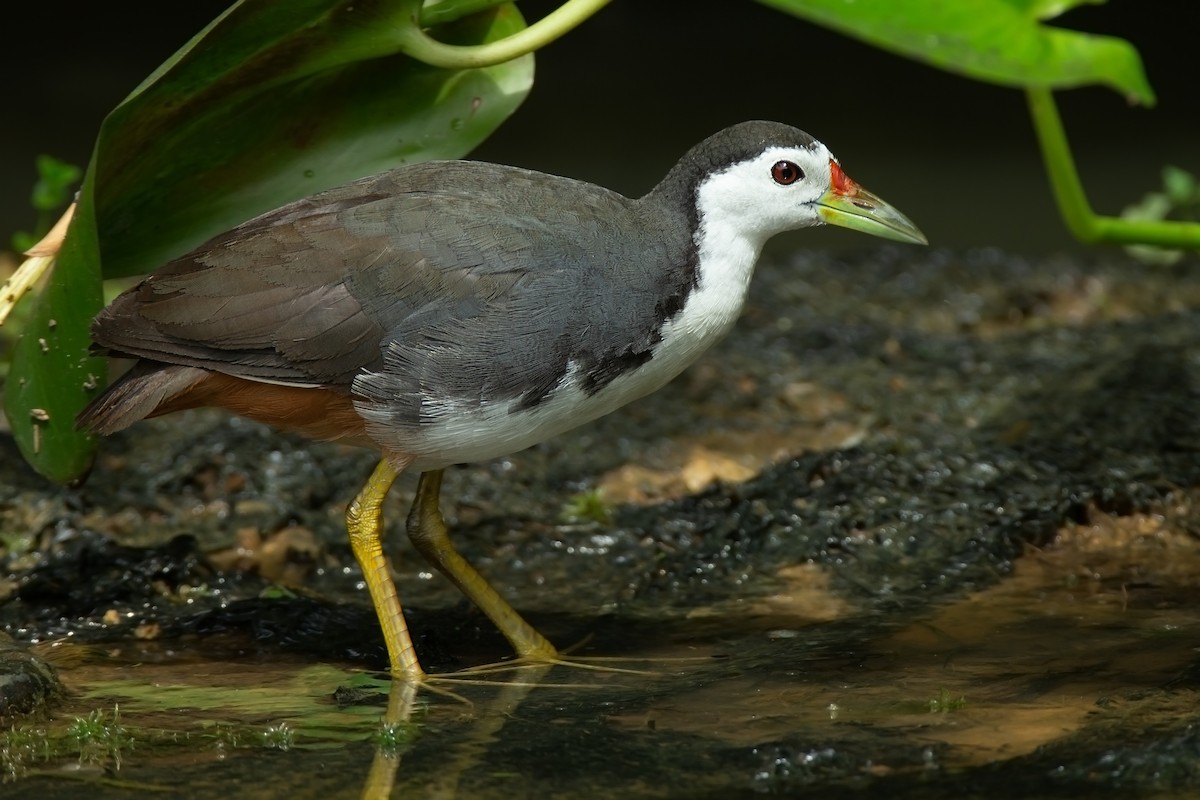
[[136, 395]]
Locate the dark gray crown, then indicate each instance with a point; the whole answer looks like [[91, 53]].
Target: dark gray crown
[[724, 148]]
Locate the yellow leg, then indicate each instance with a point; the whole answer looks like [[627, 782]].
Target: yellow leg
[[363, 524], [428, 532]]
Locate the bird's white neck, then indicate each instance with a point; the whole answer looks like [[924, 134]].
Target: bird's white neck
[[725, 258]]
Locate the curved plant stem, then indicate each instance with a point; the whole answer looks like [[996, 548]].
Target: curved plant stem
[[419, 45], [1085, 224]]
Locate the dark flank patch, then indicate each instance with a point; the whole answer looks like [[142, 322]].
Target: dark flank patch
[[666, 308], [607, 369], [536, 394]]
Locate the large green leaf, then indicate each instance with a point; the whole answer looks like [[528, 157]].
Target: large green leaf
[[275, 101], [999, 41], [52, 375], [271, 102]]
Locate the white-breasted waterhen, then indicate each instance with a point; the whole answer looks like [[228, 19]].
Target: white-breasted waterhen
[[455, 311]]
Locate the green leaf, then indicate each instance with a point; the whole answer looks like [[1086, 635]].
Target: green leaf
[[1180, 185], [998, 41], [276, 101], [271, 102], [52, 376]]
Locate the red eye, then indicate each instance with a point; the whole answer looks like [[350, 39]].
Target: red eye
[[785, 173]]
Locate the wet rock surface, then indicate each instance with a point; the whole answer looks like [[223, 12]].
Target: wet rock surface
[[915, 422]]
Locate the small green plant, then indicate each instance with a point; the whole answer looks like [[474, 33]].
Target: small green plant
[[51, 193], [225, 737], [14, 545], [279, 737], [1178, 199], [589, 506], [100, 737], [19, 746], [277, 592], [944, 703], [392, 736]]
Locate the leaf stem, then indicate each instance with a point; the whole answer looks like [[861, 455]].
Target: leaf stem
[[1085, 224], [414, 42], [40, 258], [29, 273]]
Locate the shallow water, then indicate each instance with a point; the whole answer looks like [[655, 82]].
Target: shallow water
[[1071, 674]]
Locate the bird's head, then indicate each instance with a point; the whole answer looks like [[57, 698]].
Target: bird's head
[[763, 178]]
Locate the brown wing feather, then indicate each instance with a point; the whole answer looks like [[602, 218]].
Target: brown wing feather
[[257, 302]]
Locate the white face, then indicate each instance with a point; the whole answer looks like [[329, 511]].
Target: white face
[[773, 192]]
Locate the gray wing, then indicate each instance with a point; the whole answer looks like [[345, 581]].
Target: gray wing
[[469, 298]]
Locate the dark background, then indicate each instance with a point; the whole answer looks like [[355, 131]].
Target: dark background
[[619, 99]]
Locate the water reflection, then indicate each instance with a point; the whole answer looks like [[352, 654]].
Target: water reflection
[[1079, 671]]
